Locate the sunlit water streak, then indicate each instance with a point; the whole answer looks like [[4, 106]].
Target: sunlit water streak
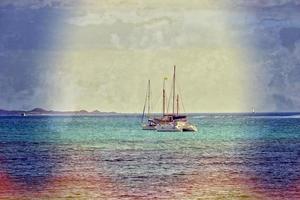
[[231, 157]]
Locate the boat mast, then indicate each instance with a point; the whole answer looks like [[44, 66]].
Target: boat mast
[[164, 97], [144, 108], [174, 89], [148, 97], [177, 101]]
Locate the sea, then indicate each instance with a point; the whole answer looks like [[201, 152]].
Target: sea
[[232, 156]]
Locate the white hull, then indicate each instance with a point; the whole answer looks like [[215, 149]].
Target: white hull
[[190, 128], [176, 127], [170, 127]]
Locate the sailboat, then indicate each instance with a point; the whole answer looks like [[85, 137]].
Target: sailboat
[[173, 122], [150, 123]]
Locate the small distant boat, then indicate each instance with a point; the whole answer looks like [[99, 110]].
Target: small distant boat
[[23, 114], [253, 110]]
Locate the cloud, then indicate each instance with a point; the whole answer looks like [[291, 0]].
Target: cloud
[[294, 75], [150, 29], [150, 19], [270, 33], [283, 103], [37, 4], [262, 3], [25, 79], [126, 30], [91, 19], [29, 29], [289, 36], [266, 33]]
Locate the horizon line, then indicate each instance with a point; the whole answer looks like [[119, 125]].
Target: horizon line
[[121, 112]]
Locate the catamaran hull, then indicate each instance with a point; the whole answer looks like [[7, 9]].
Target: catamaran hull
[[149, 128], [168, 128], [190, 129], [179, 126]]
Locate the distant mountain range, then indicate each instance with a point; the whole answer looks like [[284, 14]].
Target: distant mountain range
[[41, 111]]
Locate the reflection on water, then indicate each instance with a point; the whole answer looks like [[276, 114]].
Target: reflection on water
[[28, 164], [273, 158], [231, 157]]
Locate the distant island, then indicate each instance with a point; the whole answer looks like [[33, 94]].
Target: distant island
[[41, 111]]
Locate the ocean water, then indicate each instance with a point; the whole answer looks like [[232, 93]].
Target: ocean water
[[109, 157]]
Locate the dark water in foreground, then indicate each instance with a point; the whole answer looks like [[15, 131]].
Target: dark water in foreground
[[230, 157]]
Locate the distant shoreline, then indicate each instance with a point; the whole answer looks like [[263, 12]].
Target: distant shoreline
[[43, 112]]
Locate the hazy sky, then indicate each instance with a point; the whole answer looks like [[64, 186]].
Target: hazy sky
[[230, 55]]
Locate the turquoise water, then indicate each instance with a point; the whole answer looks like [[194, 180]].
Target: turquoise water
[[109, 157]]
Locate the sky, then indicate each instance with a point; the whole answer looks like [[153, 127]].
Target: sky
[[74, 54]]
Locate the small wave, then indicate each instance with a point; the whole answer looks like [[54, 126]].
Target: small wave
[[277, 117], [118, 160], [254, 116], [198, 117], [295, 116]]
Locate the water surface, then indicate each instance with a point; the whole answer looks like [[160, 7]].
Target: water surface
[[109, 157]]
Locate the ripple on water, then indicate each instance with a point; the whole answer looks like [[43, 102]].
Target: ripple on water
[[110, 158]]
